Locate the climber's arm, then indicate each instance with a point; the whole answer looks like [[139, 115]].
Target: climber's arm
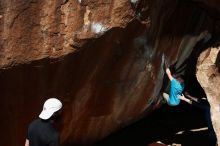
[[26, 142], [182, 97], [169, 74]]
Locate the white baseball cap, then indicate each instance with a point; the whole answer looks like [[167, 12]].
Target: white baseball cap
[[51, 105]]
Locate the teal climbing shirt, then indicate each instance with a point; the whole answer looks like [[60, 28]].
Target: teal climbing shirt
[[176, 90]]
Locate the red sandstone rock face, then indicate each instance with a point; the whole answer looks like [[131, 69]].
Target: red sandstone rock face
[[95, 56], [37, 29]]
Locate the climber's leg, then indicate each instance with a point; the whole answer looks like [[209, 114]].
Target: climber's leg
[[166, 96]]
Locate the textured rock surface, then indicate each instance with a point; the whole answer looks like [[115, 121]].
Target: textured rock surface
[[208, 74], [37, 29], [105, 65]]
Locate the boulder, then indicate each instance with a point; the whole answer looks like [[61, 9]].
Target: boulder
[[103, 59]]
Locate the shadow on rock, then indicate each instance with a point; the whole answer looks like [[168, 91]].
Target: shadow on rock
[[182, 125]]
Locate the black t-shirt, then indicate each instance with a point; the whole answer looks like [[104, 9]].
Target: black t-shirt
[[42, 133]]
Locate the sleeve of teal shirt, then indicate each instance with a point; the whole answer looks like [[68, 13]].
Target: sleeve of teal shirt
[[173, 81]]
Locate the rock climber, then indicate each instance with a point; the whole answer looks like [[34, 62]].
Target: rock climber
[[176, 89]]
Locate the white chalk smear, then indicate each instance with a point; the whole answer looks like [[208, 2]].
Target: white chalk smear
[[142, 41], [97, 27], [79, 1], [163, 59], [134, 1]]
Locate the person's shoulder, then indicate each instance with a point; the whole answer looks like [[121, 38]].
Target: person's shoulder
[[174, 80], [34, 122], [33, 125]]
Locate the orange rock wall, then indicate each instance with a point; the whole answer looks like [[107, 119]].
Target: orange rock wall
[[103, 63]]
